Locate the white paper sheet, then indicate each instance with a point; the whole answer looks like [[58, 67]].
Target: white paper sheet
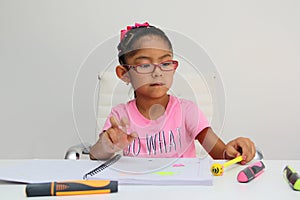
[[156, 171]]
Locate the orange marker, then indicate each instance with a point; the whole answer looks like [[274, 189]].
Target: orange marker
[[71, 188], [217, 169]]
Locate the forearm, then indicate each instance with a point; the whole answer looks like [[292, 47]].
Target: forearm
[[99, 150], [212, 143]]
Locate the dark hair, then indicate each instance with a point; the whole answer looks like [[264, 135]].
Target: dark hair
[[126, 46]]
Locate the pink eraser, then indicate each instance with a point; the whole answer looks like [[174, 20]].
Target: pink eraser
[[250, 172], [178, 165]]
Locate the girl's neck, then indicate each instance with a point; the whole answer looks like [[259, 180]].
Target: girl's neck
[[152, 108]]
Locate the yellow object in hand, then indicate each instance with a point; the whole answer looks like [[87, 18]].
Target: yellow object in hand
[[217, 169]]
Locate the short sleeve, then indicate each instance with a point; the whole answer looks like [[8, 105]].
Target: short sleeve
[[195, 120]]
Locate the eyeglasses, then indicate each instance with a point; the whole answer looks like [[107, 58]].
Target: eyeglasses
[[150, 67]]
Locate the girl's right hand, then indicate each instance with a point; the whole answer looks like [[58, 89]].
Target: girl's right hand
[[116, 137]]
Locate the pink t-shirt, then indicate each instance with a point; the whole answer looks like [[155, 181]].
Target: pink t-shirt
[[170, 135]]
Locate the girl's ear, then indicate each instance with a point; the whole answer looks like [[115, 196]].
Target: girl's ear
[[122, 73]]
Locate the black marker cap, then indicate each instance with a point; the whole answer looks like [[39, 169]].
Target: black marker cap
[[38, 189]]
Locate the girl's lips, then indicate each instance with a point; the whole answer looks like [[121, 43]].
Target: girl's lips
[[156, 84]]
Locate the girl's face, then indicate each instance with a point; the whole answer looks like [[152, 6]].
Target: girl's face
[[156, 84]]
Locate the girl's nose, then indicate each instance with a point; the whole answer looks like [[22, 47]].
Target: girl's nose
[[157, 71]]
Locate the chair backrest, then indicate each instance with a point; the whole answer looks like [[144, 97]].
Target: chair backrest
[[189, 83]]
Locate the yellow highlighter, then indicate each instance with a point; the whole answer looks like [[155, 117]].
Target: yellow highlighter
[[79, 187], [217, 169], [292, 177]]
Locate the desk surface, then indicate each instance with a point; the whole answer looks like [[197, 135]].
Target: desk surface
[[270, 185]]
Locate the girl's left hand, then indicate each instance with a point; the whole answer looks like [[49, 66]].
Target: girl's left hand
[[240, 146]]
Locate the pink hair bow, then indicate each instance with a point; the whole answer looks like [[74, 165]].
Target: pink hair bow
[[136, 25]]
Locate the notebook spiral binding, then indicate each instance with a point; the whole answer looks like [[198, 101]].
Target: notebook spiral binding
[[102, 166]]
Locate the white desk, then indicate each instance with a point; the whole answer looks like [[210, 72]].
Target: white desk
[[269, 185]]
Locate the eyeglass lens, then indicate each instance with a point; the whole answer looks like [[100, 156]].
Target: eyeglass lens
[[149, 68]]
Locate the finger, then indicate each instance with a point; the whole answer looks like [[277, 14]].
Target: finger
[[107, 143], [114, 142], [245, 153], [124, 121], [114, 135], [131, 137], [253, 151], [231, 151], [249, 151], [114, 122], [124, 124], [111, 136], [125, 141]]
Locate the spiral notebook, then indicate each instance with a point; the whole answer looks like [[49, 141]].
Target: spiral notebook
[[158, 171], [102, 166], [125, 170]]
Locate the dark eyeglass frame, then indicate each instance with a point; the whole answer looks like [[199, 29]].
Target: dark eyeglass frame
[[160, 65]]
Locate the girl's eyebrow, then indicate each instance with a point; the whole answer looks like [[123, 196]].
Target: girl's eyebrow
[[166, 55], [142, 58], [149, 58]]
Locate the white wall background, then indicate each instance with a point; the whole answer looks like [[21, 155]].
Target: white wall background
[[255, 45]]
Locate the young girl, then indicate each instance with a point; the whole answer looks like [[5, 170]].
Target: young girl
[[156, 124]]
